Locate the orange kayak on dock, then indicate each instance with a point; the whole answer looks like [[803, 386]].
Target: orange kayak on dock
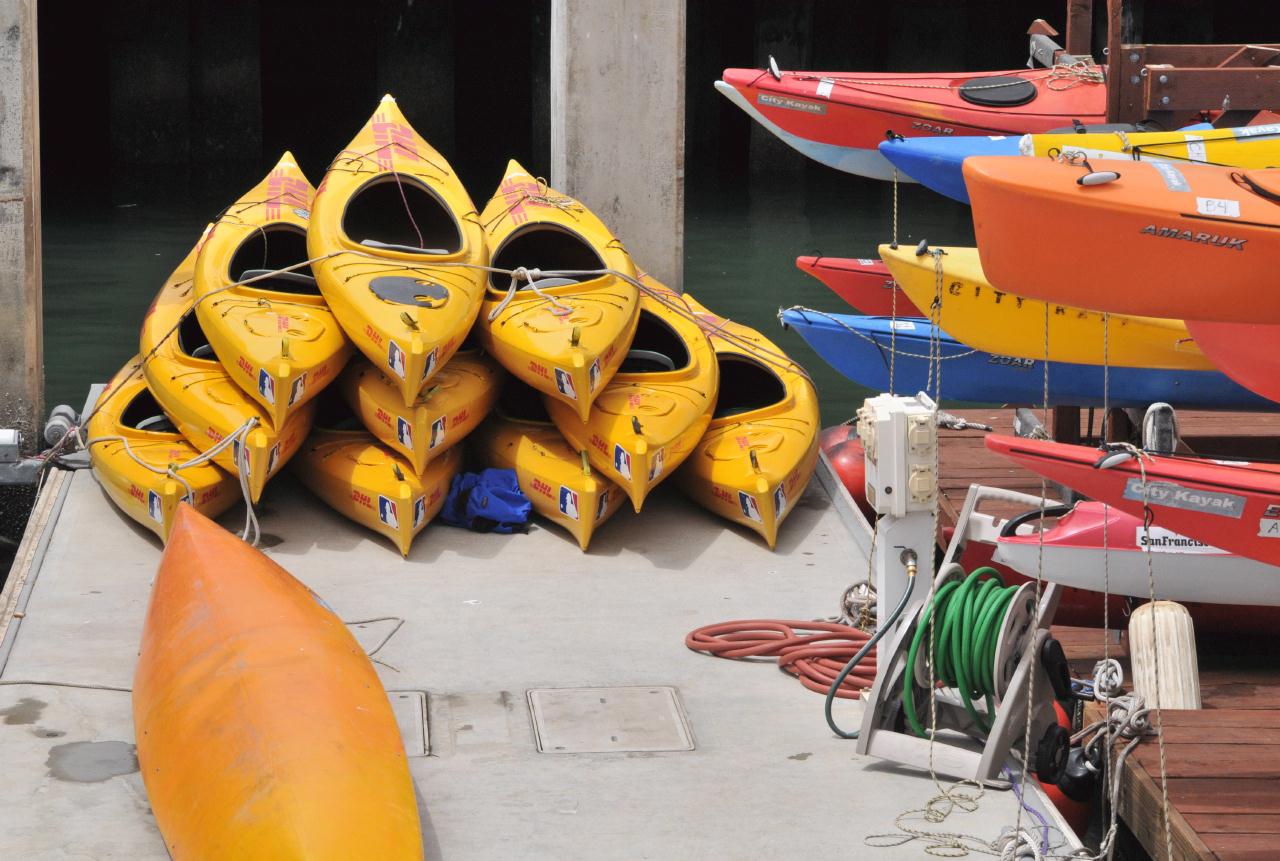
[[1191, 242], [263, 730]]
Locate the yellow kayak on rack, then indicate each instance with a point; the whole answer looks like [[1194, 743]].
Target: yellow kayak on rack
[[565, 336], [556, 478], [367, 482], [977, 314], [1244, 147], [276, 336], [401, 245], [648, 418], [128, 426], [452, 406], [761, 447], [200, 397]]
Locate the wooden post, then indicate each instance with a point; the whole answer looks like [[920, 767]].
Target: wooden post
[[21, 338], [1066, 424], [1079, 27]]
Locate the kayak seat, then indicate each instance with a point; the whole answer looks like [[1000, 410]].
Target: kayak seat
[[998, 91], [548, 247], [269, 250], [407, 249], [655, 348], [746, 385], [399, 213], [543, 283], [144, 413]]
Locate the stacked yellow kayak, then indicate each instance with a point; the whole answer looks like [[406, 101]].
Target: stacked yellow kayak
[[270, 329], [613, 382], [1244, 147], [144, 464], [645, 422], [556, 477], [567, 333], [761, 446], [199, 396], [398, 250]]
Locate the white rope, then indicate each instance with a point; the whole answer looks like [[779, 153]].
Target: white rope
[[530, 276]]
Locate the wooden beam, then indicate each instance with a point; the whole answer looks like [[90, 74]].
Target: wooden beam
[[1196, 55], [1117, 71], [1142, 809], [1080, 27], [1199, 88], [21, 338]]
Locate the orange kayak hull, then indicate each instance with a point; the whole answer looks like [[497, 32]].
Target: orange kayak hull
[[1183, 241], [263, 730]]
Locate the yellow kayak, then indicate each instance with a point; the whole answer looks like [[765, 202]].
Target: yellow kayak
[[646, 421], [264, 733], [367, 482], [401, 245], [759, 452], [199, 396], [974, 312], [276, 336], [128, 427], [556, 478], [452, 406], [1245, 147], [565, 336]]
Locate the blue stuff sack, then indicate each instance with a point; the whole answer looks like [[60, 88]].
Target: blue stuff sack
[[487, 501]]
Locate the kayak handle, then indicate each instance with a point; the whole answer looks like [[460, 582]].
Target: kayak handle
[[1011, 525]]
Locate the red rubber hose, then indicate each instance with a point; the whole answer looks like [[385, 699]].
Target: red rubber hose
[[813, 652]]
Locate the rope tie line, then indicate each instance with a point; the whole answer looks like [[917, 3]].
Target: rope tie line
[[1062, 76], [531, 277]]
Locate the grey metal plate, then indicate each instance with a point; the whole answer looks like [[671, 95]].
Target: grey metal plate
[[410, 708], [609, 720]]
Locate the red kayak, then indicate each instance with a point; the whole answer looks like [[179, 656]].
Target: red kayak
[[1243, 352], [840, 118], [864, 284], [1232, 505]]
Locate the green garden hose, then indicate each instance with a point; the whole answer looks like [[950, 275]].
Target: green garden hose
[[968, 615]]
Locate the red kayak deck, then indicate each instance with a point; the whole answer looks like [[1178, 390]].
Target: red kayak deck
[[865, 284]]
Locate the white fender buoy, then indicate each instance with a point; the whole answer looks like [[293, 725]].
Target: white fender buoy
[[1164, 628]]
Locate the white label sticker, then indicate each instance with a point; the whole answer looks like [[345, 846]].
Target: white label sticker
[[995, 137], [1195, 148], [1218, 206], [1163, 540], [1268, 527], [824, 87], [901, 325]]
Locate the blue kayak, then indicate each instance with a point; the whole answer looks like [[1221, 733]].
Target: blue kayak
[[858, 347], [936, 162]]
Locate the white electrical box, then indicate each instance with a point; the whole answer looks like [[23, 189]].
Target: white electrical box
[[900, 438], [10, 445]]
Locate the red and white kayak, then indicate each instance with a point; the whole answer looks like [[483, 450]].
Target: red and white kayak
[[1233, 505], [840, 118], [864, 284], [1242, 351], [1098, 547]]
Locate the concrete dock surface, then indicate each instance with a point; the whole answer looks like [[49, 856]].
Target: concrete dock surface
[[487, 619]]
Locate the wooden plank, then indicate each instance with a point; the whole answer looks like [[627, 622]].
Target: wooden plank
[[1079, 27], [1244, 736], [1206, 720], [43, 514], [1239, 823], [1200, 760], [1199, 88], [1194, 55], [1242, 847], [1217, 795], [1141, 808], [1250, 55]]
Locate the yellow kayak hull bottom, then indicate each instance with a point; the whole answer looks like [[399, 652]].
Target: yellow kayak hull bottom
[[263, 731]]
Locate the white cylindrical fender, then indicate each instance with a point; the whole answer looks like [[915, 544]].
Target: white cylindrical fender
[[1164, 629]]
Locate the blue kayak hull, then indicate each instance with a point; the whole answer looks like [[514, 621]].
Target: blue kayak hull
[[937, 163], [858, 347]]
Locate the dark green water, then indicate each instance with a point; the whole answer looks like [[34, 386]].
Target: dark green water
[[104, 261]]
